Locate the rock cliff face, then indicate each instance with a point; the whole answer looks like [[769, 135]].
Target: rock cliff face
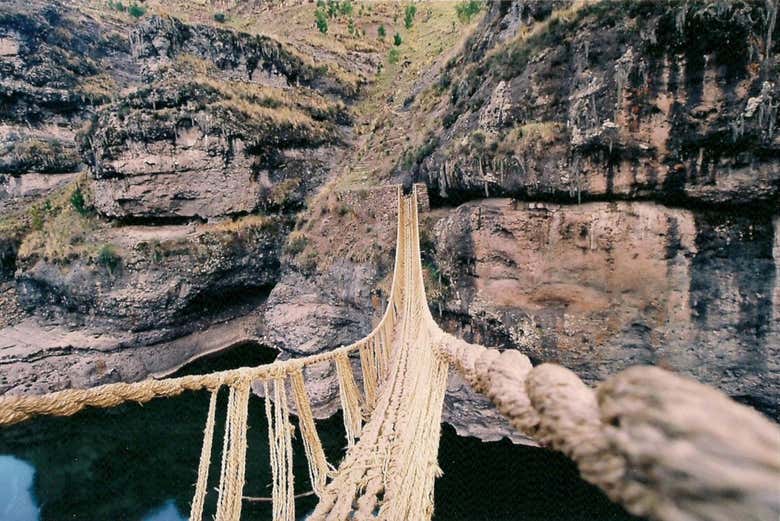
[[602, 286], [667, 101], [633, 105], [151, 172]]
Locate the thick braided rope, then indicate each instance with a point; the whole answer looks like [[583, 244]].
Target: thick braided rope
[[663, 446], [315, 455], [368, 364], [198, 500], [350, 399], [14, 409], [234, 462], [280, 448]]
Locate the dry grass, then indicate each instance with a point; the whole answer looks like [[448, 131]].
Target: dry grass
[[389, 128], [527, 32], [99, 88], [58, 232], [244, 223], [293, 107], [536, 135]]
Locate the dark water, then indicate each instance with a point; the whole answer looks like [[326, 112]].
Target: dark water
[[139, 463]]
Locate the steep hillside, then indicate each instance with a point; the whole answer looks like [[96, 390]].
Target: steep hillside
[[152, 170], [159, 157], [620, 167]]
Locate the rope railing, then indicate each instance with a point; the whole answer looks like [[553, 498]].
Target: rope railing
[[663, 446]]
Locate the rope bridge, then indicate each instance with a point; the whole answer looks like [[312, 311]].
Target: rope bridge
[[663, 446]]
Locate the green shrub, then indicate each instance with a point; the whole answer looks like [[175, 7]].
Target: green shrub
[[333, 8], [78, 201], [108, 258], [467, 9], [322, 20], [220, 17], [381, 32], [346, 8], [117, 6], [397, 40], [136, 11], [37, 217], [393, 56], [351, 27], [409, 13]]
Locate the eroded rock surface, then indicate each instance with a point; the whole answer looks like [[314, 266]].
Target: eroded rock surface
[[603, 286], [674, 102]]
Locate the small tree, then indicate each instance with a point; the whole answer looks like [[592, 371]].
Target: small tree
[[467, 9], [382, 32], [220, 17], [346, 8], [78, 202], [333, 8], [393, 56], [322, 20], [397, 40], [409, 13], [136, 11], [351, 27], [108, 258]]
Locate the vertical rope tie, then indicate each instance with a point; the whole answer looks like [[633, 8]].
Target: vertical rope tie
[[350, 399], [231, 483], [198, 500], [368, 366], [315, 455], [280, 447]]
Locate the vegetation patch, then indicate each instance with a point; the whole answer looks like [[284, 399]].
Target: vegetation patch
[[62, 227], [39, 155], [108, 257], [296, 243], [467, 10]]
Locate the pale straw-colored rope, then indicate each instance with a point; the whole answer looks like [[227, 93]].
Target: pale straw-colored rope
[[198, 500], [368, 364], [233, 472], [315, 455], [395, 458], [280, 447], [350, 399]]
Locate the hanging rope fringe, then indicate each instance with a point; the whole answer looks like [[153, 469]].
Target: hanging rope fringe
[[280, 446], [232, 475], [350, 399], [368, 363], [315, 455], [196, 511]]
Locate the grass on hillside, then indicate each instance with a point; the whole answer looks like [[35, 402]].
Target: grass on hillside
[[388, 126], [60, 228]]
